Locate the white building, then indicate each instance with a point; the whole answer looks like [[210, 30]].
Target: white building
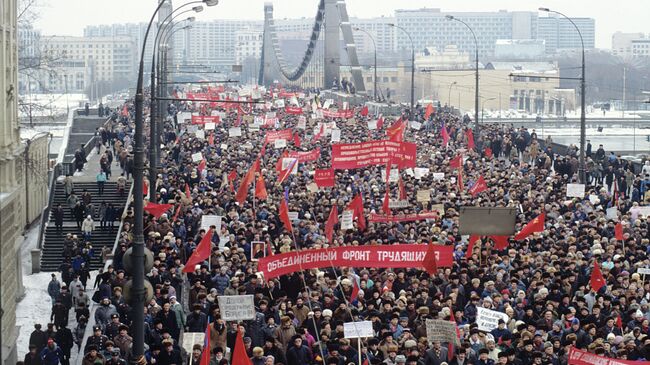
[[448, 59], [134, 30], [559, 34], [628, 45], [214, 43], [99, 63], [429, 27]]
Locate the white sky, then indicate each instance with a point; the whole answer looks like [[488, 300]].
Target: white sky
[[69, 17]]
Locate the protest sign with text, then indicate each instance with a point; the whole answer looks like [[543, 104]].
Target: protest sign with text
[[363, 154]]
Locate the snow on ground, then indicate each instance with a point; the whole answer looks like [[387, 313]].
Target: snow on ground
[[36, 305]]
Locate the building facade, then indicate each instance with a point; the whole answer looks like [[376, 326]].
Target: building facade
[[630, 45], [560, 35], [10, 198]]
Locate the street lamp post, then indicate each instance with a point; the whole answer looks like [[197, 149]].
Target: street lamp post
[[412, 65], [137, 290], [476, 93], [483, 106], [449, 96], [374, 46], [583, 129]]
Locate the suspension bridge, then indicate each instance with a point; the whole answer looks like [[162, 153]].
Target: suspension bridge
[[320, 66]]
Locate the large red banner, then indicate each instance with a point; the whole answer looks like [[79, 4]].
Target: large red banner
[[363, 154], [275, 135], [383, 256], [306, 156], [382, 218], [338, 114], [202, 119], [580, 357], [293, 110], [324, 178]]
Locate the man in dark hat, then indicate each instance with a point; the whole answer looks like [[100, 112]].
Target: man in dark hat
[[298, 353], [38, 338], [97, 339], [112, 328], [483, 357]]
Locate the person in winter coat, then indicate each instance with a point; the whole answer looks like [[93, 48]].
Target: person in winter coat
[[177, 308], [54, 288], [285, 332], [169, 355], [271, 349], [59, 314], [218, 333], [123, 340], [97, 340], [298, 354], [168, 319], [58, 214], [87, 227], [38, 338], [93, 357], [65, 340], [104, 312], [51, 354], [197, 320], [32, 357]]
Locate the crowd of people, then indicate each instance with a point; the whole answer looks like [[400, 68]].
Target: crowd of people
[[542, 282]]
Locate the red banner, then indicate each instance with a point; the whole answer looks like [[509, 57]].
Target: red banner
[[293, 110], [324, 178], [338, 113], [284, 94], [382, 256], [270, 122], [306, 156], [202, 119], [358, 155], [580, 357], [285, 134], [382, 218]]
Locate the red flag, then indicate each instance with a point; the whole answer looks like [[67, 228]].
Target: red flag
[[456, 162], [445, 135], [386, 205], [319, 134], [597, 280], [428, 111], [430, 263], [145, 188], [157, 210], [202, 252], [488, 152], [536, 225], [286, 172], [296, 140], [402, 190], [356, 205], [618, 231], [284, 215], [478, 187], [470, 138], [364, 111], [500, 242], [188, 193], [260, 188], [619, 322], [232, 176], [263, 150], [355, 290], [178, 210], [395, 132], [461, 185], [125, 111], [450, 345], [470, 245], [239, 355], [331, 222], [242, 192], [201, 166], [380, 122], [205, 356], [278, 165], [211, 139]]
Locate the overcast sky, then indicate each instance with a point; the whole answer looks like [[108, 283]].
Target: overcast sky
[[69, 17]]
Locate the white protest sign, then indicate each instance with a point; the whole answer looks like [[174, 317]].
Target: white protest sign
[[438, 175], [270, 115], [200, 134], [346, 220], [192, 338], [293, 216], [397, 204], [286, 162], [312, 188], [236, 307], [196, 157], [358, 329], [336, 135], [234, 132], [209, 126], [211, 220], [394, 175], [280, 143], [424, 195], [224, 146], [184, 116], [223, 240], [612, 213], [279, 103], [327, 104], [409, 172], [575, 190], [415, 125], [421, 172], [438, 208], [643, 270], [318, 114], [440, 331], [302, 122], [488, 319], [372, 125], [644, 211], [593, 198]]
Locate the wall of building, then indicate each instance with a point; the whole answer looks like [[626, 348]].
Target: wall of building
[[9, 194]]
